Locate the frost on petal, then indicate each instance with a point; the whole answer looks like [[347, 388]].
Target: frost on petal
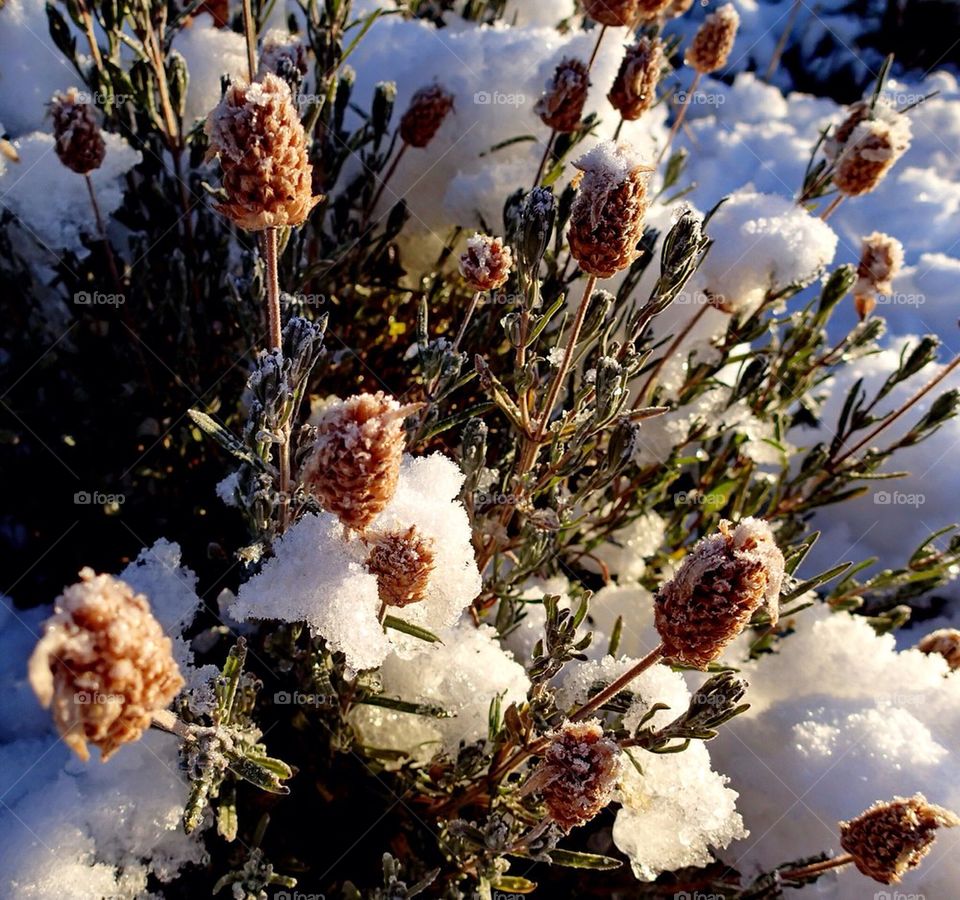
[[315, 577]]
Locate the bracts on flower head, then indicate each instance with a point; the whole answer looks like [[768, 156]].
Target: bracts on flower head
[[428, 108], [945, 642], [651, 10], [615, 13], [634, 89], [606, 218], [486, 263], [716, 590], [103, 666], [354, 464], [257, 133], [402, 560], [866, 146], [77, 137], [578, 773], [881, 258], [892, 837], [561, 104], [714, 40]]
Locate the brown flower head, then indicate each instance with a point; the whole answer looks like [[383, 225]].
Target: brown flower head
[[651, 10], [606, 218], [874, 144], [891, 837], [716, 590], [676, 8], [577, 774], [257, 133], [611, 12], [354, 464], [428, 108], [881, 258], [282, 52], [486, 263], [634, 89], [856, 113], [561, 105], [713, 41], [946, 642], [103, 665], [402, 561], [78, 140]]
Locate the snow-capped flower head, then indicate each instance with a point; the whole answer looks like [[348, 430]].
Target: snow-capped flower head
[[578, 773], [881, 258], [428, 108], [79, 143], [714, 40], [606, 218], [486, 263], [716, 590], [634, 89], [415, 556], [892, 837], [282, 54], [616, 13], [257, 133], [866, 145], [103, 665], [945, 642], [561, 104], [353, 466]]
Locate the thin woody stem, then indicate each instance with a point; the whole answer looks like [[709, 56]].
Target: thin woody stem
[[817, 868], [250, 35], [385, 179], [782, 42], [544, 158], [614, 688], [276, 343], [102, 232], [466, 320], [681, 115], [596, 48], [649, 384], [832, 208]]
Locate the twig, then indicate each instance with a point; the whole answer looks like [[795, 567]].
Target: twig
[[250, 35], [384, 180], [681, 115], [782, 42], [817, 868], [614, 688], [276, 343], [102, 231], [544, 158], [648, 385]]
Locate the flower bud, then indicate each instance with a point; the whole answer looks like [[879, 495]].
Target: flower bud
[[538, 213], [716, 590], [402, 561], [103, 665], [486, 263], [561, 104], [428, 108], [354, 464], [606, 219], [577, 774], [634, 89], [881, 258], [384, 97], [713, 41], [78, 140], [946, 642], [892, 837]]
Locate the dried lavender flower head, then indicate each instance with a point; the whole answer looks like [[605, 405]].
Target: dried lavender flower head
[[561, 105], [103, 665], [428, 108], [281, 52], [634, 89], [77, 137], [578, 773], [714, 40], [716, 590], [606, 217], [651, 10], [402, 560], [945, 642], [866, 146], [892, 837], [617, 13], [353, 466], [486, 263], [257, 133], [881, 258]]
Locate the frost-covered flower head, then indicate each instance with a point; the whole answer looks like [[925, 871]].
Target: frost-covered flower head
[[79, 143], [282, 54], [578, 773], [716, 590], [257, 133], [486, 263], [561, 105], [103, 665], [428, 108], [354, 464], [881, 258], [415, 555], [714, 40], [945, 642], [866, 145], [606, 218], [892, 837], [617, 13], [634, 89]]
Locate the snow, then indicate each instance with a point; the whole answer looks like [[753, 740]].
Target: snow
[[210, 53]]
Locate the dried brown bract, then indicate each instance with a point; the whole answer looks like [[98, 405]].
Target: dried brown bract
[[634, 89], [428, 108], [561, 104], [945, 642], [616, 13], [402, 561], [78, 140], [486, 263], [881, 258], [714, 40]]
